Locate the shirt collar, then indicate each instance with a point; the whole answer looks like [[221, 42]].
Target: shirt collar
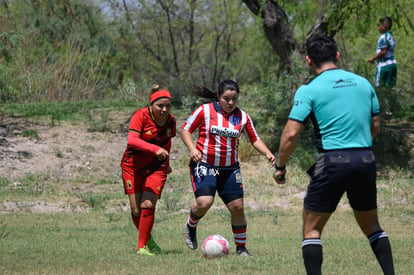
[[218, 108]]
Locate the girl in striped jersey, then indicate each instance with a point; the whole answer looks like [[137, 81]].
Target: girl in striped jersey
[[214, 162]]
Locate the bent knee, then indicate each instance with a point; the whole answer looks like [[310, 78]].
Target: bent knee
[[235, 206], [148, 204], [204, 202]]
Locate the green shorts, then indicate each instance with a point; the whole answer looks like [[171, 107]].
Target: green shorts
[[386, 75]]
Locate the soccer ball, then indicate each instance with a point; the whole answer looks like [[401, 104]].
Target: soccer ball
[[215, 246]]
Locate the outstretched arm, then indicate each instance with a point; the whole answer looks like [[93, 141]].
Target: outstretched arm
[[261, 147]]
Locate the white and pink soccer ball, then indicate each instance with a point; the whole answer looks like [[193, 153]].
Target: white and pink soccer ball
[[215, 246]]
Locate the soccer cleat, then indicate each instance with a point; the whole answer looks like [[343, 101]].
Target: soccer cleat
[[242, 251], [190, 236], [153, 246], [144, 251]]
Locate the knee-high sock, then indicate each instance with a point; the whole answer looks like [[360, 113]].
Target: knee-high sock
[[145, 226], [193, 220], [381, 247], [312, 256], [240, 234]]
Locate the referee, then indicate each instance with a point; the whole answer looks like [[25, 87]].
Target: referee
[[344, 110]]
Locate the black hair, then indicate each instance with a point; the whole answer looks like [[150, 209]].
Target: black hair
[[209, 95], [228, 85], [387, 22], [321, 49]]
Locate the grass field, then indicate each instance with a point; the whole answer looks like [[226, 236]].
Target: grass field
[[74, 218]]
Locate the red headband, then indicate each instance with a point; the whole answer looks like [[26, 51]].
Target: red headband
[[159, 94]]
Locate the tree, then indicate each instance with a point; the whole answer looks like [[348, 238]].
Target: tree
[[276, 28], [350, 21], [185, 42], [340, 12]]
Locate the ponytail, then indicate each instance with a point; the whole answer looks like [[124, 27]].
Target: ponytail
[[204, 93], [210, 96]]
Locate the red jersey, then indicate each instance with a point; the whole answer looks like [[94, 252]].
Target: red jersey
[[140, 155], [218, 139]]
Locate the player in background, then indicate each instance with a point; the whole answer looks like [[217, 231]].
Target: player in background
[[214, 164], [386, 72], [344, 110], [145, 163]]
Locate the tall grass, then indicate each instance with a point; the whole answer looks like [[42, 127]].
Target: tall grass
[[67, 71]]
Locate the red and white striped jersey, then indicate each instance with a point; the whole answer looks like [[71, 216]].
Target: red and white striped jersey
[[218, 133]]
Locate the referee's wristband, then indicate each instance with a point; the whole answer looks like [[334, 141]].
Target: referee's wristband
[[280, 168]]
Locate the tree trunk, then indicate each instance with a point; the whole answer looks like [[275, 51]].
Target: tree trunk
[[276, 28]]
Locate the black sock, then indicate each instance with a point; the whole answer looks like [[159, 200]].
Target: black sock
[[312, 256], [381, 247]]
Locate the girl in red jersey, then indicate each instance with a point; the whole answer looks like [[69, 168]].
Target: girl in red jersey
[[145, 163], [214, 164]]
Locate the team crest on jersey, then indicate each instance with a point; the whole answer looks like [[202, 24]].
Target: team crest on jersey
[[235, 120], [129, 184], [149, 133]]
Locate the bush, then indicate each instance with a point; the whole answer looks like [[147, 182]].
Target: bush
[[269, 106]]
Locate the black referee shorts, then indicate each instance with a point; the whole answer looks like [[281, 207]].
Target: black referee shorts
[[335, 172]]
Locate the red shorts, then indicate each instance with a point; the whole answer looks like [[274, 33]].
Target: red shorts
[[137, 182]]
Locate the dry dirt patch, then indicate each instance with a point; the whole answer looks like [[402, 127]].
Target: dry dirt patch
[[65, 148], [68, 151]]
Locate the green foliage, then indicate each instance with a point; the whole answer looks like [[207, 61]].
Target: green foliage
[[71, 111], [8, 40], [409, 112], [98, 122], [181, 43], [4, 231], [58, 153], [272, 104], [57, 53], [94, 200], [31, 134], [393, 145], [73, 51]]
